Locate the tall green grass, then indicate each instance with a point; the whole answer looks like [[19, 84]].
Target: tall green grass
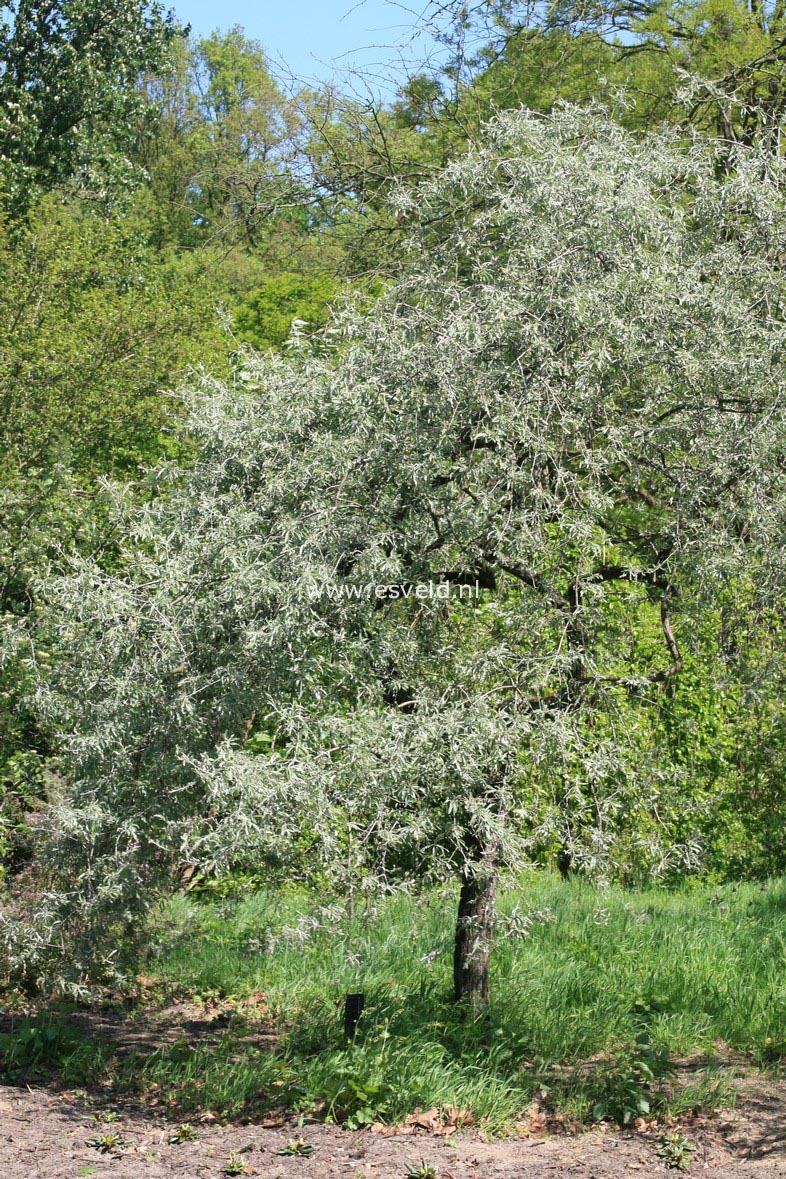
[[592, 992]]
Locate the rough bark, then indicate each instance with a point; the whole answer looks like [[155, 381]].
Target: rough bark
[[474, 930]]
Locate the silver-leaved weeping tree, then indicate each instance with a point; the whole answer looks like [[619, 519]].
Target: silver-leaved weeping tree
[[394, 613]]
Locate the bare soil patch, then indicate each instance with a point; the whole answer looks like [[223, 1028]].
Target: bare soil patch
[[44, 1135]]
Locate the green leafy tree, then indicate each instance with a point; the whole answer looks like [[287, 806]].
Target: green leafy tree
[[97, 331], [68, 90], [96, 328], [538, 68], [264, 317], [359, 151], [718, 63], [222, 147], [574, 403]]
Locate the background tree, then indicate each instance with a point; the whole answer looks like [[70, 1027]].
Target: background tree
[[98, 330], [222, 153], [510, 53], [96, 326], [265, 316], [68, 93]]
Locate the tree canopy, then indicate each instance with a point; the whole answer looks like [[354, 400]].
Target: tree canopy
[[68, 90], [718, 64], [572, 403]]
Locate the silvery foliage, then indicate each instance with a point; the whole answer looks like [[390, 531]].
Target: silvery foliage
[[582, 371]]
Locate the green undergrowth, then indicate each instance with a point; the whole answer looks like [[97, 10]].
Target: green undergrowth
[[606, 1005]]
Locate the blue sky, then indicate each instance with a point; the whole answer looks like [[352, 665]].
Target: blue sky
[[317, 39]]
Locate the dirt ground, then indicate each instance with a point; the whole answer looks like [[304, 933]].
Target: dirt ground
[[43, 1135]]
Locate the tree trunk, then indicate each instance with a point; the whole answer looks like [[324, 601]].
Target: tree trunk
[[564, 862], [474, 930]]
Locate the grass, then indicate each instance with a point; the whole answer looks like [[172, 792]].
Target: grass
[[595, 996]]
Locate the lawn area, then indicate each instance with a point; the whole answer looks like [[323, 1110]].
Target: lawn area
[[606, 1005]]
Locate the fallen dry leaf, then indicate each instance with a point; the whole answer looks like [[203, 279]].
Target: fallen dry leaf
[[439, 1120]]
